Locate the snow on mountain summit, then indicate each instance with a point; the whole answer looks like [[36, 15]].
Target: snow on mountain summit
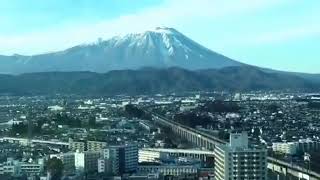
[[165, 30], [166, 47], [164, 39]]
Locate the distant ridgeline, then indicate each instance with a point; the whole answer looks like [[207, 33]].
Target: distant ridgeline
[[151, 81]]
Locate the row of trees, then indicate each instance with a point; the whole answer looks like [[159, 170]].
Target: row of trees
[[20, 128], [314, 105], [219, 106], [133, 111], [64, 119], [192, 119]]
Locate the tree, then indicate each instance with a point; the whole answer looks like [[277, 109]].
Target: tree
[[55, 168], [193, 119], [133, 111], [92, 121], [64, 119], [273, 108], [20, 128]]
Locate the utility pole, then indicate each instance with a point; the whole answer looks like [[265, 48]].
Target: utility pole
[[29, 131]]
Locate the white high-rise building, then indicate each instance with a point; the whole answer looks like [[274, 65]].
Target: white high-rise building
[[86, 161], [237, 161]]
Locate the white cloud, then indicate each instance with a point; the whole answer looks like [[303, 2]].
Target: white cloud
[[172, 13]]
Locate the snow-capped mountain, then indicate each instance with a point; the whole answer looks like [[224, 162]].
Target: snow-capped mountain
[[159, 48]]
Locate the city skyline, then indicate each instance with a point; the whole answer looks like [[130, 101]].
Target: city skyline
[[159, 89], [277, 34]]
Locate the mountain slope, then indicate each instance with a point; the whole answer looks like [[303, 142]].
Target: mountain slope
[[159, 48], [150, 81], [315, 78]]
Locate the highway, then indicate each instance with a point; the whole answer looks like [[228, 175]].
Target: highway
[[24, 141]]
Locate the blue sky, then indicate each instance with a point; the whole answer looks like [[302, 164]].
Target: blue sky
[[278, 34]]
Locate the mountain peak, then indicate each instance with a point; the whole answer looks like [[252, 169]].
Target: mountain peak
[[166, 30], [160, 47]]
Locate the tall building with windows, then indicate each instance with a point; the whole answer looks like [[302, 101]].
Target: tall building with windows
[[109, 163], [87, 161], [238, 161], [128, 156], [119, 159]]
